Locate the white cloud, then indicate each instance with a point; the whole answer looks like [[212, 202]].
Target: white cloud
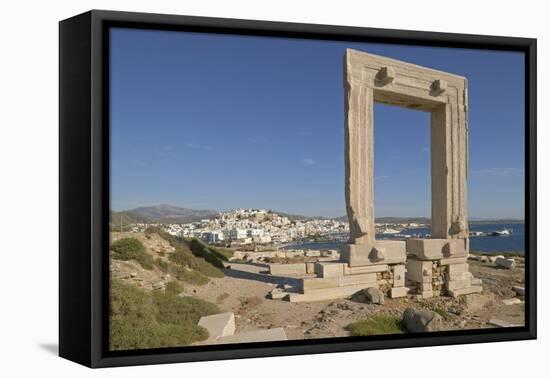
[[308, 162], [192, 145]]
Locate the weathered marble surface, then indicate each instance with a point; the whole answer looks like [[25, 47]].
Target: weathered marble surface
[[370, 78]]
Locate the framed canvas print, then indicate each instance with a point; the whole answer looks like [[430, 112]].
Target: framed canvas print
[[234, 188]]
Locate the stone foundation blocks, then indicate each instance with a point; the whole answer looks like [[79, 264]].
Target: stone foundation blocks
[[329, 269]]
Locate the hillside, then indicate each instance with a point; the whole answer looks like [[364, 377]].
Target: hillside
[[171, 214], [149, 271], [125, 217]]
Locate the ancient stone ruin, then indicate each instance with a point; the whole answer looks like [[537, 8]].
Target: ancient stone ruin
[[424, 267]]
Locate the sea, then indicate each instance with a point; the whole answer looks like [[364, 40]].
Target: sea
[[486, 244]]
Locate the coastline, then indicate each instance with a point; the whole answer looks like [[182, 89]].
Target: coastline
[[514, 243]]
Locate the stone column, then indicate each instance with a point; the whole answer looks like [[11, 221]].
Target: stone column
[[359, 157], [440, 161], [449, 155]]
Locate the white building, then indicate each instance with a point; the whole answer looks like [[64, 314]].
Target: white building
[[255, 232], [237, 233]]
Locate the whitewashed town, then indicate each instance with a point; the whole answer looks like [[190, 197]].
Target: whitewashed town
[[240, 227]]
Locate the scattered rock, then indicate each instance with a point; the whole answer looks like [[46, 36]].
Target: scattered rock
[[159, 285], [375, 295], [422, 320], [133, 274], [511, 301], [520, 290], [505, 263], [370, 294], [277, 294]]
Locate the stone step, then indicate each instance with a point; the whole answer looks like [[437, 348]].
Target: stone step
[[328, 293]]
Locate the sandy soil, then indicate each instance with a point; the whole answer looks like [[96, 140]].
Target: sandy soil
[[244, 291]]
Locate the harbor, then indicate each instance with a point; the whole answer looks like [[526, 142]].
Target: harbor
[[484, 237]]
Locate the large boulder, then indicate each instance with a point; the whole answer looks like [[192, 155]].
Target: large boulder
[[370, 294], [422, 320], [374, 295], [505, 263], [520, 290]]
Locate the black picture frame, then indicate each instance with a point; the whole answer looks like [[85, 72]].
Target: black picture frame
[[84, 187]]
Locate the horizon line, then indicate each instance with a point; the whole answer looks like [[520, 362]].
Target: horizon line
[[314, 216]]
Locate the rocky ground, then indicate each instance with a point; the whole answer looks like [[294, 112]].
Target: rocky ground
[[131, 271], [245, 288]]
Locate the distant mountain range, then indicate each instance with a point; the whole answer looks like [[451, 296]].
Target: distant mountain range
[[173, 214], [161, 214]]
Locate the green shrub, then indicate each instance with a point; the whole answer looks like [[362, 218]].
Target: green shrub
[[184, 274], [161, 264], [176, 310], [184, 257], [376, 325], [142, 320], [205, 263], [131, 249], [210, 254], [173, 287], [225, 252]]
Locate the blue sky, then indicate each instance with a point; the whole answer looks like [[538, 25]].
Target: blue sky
[[210, 121]]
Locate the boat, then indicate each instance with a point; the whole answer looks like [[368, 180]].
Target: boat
[[389, 231], [503, 232], [477, 233]]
